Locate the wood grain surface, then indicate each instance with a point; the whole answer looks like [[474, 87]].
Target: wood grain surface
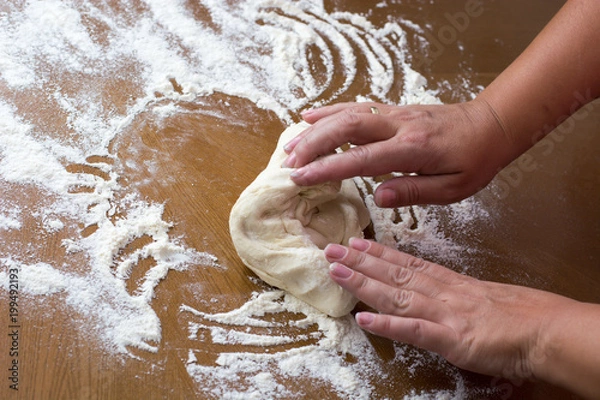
[[542, 231]]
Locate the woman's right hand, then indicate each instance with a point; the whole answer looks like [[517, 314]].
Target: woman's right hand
[[448, 152]]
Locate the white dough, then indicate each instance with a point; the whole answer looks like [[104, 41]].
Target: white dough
[[279, 230]]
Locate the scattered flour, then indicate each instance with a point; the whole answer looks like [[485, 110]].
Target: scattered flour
[[8, 222], [319, 360], [290, 55]]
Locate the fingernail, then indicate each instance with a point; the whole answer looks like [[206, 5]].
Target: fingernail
[[289, 161], [335, 252], [364, 318], [386, 198], [340, 271], [297, 173], [289, 146], [359, 244], [307, 112]]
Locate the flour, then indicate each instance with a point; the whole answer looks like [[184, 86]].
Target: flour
[[319, 360], [283, 56], [10, 220]]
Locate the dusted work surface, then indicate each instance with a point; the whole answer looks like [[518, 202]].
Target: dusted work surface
[[128, 130]]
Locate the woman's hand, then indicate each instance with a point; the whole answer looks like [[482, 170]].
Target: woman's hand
[[486, 327], [452, 151]]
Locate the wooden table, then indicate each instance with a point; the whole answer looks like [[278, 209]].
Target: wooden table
[[542, 231]]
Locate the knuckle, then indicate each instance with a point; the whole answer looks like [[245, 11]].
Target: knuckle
[[416, 331], [362, 284], [303, 150], [356, 258], [416, 264], [415, 112], [410, 193], [423, 113], [319, 165], [359, 152], [401, 276], [385, 323], [401, 299], [307, 143], [415, 138], [377, 250], [350, 118], [314, 146], [330, 144], [360, 156]]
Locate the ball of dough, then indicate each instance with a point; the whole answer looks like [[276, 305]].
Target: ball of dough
[[279, 230]]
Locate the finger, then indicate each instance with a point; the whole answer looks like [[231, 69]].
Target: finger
[[393, 275], [422, 189], [388, 299], [421, 333], [368, 160], [350, 126], [313, 115], [396, 257]]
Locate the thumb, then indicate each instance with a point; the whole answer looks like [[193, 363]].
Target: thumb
[[420, 189]]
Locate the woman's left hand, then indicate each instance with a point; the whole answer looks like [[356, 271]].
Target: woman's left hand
[[486, 327]]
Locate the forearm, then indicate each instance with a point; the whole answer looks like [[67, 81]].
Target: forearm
[[558, 73], [570, 354]]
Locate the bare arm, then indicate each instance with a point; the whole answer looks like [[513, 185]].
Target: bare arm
[[557, 74], [457, 149]]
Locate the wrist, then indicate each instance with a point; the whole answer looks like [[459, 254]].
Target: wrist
[[543, 358], [498, 147], [568, 354]]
